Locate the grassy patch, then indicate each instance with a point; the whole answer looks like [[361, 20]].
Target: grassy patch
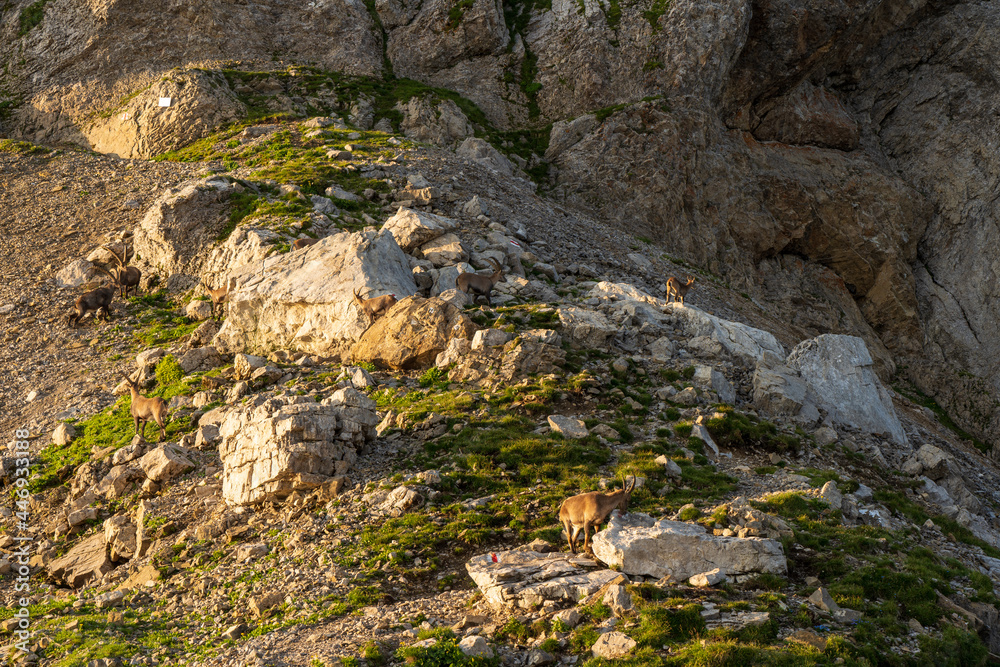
[[31, 16], [21, 147], [735, 429], [926, 401]]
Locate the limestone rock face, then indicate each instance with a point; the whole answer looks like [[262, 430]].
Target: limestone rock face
[[637, 545], [810, 115], [442, 123], [412, 334], [199, 102], [522, 579], [289, 308], [283, 446], [114, 47], [83, 562], [928, 117], [839, 370]]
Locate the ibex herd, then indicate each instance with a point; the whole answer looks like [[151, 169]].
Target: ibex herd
[[124, 278]]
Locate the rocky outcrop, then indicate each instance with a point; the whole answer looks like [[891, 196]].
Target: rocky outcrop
[[126, 63], [839, 370], [412, 229], [412, 334], [638, 545], [174, 111], [285, 307], [86, 561], [171, 239], [525, 579], [434, 122], [283, 446]]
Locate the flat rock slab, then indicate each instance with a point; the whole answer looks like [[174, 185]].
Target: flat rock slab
[[735, 338], [525, 579], [636, 544], [569, 427], [83, 562]]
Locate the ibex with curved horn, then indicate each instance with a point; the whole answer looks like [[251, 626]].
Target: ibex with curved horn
[[126, 277], [590, 510]]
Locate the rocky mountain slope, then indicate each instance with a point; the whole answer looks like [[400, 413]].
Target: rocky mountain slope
[[795, 149], [812, 432]]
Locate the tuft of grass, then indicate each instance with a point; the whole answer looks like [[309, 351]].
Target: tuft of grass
[[31, 16], [734, 429]]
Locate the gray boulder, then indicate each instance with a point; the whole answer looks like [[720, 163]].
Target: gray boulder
[[840, 371], [282, 446], [636, 545], [526, 579]]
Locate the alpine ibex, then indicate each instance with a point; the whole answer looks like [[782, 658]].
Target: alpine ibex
[[126, 277], [590, 510], [143, 409], [218, 296], [299, 244], [97, 300], [479, 284], [677, 289], [376, 307]]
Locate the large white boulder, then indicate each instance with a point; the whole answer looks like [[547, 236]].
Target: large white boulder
[[739, 340], [635, 545], [840, 371], [289, 444], [304, 300], [412, 229]]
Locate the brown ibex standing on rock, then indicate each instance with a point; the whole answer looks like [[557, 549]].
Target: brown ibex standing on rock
[[97, 300], [479, 284], [143, 409], [590, 510], [677, 289], [376, 307], [126, 277], [218, 296]]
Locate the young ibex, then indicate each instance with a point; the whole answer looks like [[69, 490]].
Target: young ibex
[[97, 300], [479, 284], [219, 295], [143, 409], [299, 244], [591, 509], [677, 289], [126, 277], [376, 307]]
